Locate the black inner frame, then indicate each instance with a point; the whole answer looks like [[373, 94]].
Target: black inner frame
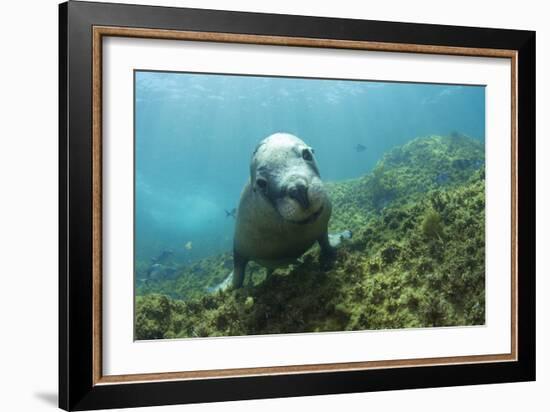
[[76, 388]]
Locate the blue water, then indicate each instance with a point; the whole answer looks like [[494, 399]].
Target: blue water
[[194, 135]]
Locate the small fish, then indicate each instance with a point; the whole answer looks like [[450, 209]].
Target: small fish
[[360, 148], [188, 245], [231, 213]]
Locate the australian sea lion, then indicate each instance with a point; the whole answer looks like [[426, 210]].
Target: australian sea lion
[[283, 209]]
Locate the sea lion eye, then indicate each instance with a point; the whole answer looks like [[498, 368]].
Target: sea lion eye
[[306, 154], [261, 183]]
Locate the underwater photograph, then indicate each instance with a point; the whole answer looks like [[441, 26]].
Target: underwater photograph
[[278, 205]]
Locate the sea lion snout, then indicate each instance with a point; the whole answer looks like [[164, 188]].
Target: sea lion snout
[[298, 192], [297, 189], [301, 197]]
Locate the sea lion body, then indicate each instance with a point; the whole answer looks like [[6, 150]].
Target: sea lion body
[[283, 209], [263, 236]]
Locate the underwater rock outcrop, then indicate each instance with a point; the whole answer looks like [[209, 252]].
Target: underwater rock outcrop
[[416, 259]]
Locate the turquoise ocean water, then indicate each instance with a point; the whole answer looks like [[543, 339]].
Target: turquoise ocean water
[[195, 133]]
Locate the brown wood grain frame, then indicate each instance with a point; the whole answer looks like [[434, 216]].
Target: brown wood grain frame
[[99, 32]]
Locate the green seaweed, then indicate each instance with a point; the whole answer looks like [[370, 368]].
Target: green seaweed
[[432, 226], [416, 259]]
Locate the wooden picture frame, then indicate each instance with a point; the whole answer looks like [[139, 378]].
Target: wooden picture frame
[[82, 384]]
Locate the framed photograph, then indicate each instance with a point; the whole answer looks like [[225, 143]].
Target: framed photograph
[[256, 205]]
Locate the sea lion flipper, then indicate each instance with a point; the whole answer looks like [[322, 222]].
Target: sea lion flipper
[[329, 243], [328, 251], [336, 239], [221, 286], [239, 266]]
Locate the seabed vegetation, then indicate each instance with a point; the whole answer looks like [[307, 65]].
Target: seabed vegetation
[[416, 259]]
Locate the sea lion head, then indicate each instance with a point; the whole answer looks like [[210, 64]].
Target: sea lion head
[[283, 170]]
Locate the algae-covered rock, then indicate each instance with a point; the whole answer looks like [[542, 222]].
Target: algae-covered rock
[[249, 302], [416, 259], [432, 227]]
